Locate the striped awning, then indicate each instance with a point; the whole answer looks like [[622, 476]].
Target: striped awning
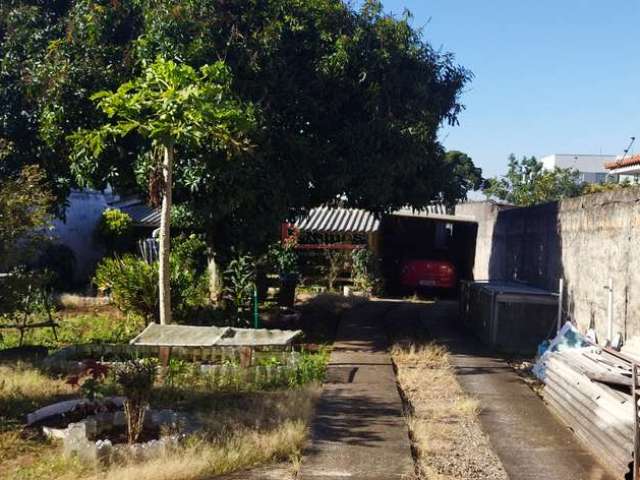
[[338, 220]]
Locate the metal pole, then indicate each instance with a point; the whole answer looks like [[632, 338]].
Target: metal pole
[[256, 317], [610, 311], [560, 298], [636, 427]]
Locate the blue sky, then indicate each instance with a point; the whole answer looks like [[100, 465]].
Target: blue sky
[[551, 76]]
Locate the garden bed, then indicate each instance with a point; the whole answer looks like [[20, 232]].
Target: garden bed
[[246, 417]]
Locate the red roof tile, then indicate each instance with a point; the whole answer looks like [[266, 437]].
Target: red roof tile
[[627, 162]]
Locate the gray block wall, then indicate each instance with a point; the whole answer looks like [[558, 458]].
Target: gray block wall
[[585, 240]]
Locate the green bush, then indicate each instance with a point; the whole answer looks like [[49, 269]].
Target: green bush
[[310, 368], [133, 283], [115, 230]]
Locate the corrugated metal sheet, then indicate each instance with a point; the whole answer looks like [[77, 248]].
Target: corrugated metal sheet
[[433, 212], [601, 416], [195, 336], [338, 220], [142, 215]]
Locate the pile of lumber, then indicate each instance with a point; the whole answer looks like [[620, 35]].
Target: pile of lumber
[[590, 390]]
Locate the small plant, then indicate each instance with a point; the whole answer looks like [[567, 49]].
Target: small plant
[[90, 380], [364, 271], [239, 285], [179, 373], [311, 367], [338, 261], [283, 257], [136, 378]]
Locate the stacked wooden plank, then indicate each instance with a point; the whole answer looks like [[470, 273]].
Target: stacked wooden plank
[[590, 390]]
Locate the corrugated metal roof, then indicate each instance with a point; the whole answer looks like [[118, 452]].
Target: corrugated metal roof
[[433, 212], [338, 220], [142, 215]]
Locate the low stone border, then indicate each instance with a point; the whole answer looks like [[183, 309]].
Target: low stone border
[[81, 438]]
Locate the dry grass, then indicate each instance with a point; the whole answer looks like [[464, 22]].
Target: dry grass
[[22, 390], [203, 459], [442, 419], [250, 431], [69, 300], [240, 431]]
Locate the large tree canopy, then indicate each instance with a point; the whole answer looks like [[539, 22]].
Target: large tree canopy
[[348, 103]]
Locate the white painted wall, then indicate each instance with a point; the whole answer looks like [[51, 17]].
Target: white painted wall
[[77, 230], [581, 162]]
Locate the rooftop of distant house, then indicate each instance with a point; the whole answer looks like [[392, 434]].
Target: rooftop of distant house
[[631, 161]]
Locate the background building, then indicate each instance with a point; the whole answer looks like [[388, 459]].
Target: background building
[[591, 167], [627, 168]]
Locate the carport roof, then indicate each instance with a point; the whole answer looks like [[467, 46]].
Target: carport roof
[[338, 220], [354, 220], [142, 214]]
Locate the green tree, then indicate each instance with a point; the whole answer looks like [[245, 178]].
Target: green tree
[[463, 177], [169, 106], [25, 204], [528, 183], [350, 103]]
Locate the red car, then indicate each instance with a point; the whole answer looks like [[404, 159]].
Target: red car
[[415, 274]]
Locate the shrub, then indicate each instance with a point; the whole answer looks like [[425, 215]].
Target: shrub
[[25, 212], [115, 230], [190, 251], [136, 378], [133, 283], [311, 367]]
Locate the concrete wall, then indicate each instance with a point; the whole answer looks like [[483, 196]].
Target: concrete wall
[[585, 240]]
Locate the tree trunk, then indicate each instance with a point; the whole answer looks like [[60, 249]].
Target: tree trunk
[[165, 223]]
